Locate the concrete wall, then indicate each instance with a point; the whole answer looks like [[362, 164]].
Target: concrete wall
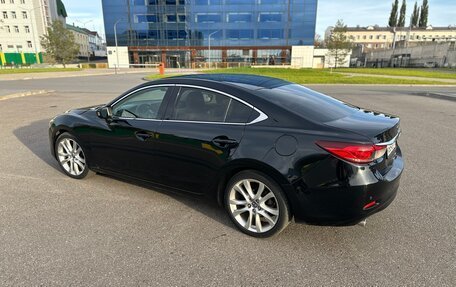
[[323, 59], [438, 55], [124, 61], [451, 59], [302, 56]]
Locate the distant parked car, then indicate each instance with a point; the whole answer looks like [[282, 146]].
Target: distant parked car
[[268, 150]]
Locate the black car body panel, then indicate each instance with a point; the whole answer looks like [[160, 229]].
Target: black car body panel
[[320, 187]]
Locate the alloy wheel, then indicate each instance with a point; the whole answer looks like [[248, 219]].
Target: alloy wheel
[[253, 205], [71, 156]]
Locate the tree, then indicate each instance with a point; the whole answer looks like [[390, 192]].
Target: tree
[[401, 22], [393, 16], [339, 44], [59, 44], [415, 15], [424, 14], [318, 41]]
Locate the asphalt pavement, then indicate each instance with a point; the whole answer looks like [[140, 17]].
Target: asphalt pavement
[[56, 231]]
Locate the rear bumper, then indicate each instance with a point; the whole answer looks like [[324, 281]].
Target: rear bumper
[[346, 202]]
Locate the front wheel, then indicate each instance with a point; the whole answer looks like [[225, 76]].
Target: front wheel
[[71, 156], [256, 204]]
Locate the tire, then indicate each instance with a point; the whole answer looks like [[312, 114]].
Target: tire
[[71, 156], [264, 216]]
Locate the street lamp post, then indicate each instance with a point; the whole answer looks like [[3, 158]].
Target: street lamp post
[[210, 35], [117, 47]]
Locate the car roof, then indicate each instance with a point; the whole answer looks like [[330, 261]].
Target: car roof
[[246, 81]]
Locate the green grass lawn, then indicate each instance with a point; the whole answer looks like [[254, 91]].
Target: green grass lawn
[[422, 73], [6, 71], [315, 76]]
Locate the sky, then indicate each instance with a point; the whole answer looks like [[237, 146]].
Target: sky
[[88, 13]]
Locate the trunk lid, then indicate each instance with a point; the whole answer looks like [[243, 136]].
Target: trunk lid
[[377, 127]]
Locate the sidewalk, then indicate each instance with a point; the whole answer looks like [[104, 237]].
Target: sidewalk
[[448, 81], [82, 73]]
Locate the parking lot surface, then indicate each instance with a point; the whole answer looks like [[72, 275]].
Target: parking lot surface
[[103, 231]]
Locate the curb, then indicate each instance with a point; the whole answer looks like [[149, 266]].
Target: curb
[[40, 76], [25, 94]]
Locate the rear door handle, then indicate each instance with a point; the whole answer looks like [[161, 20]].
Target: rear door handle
[[224, 142], [143, 136]]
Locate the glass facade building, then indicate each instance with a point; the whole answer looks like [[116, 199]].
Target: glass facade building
[[190, 33]]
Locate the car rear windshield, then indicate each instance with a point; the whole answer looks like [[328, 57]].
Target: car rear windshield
[[307, 103]]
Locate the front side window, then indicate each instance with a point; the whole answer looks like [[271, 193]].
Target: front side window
[[143, 104], [205, 106]]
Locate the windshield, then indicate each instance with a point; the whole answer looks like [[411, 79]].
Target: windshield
[[310, 104]]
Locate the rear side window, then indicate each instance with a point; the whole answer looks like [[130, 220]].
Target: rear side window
[[238, 112], [307, 103], [200, 105]]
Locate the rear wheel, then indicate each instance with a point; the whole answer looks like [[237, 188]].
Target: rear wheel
[[256, 204], [71, 156]]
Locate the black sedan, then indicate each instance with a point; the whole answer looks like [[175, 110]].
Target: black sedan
[[267, 150]]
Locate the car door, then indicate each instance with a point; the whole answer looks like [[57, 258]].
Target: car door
[[201, 131], [125, 142]]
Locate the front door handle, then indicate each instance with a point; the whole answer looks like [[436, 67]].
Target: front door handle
[[143, 136], [225, 142]]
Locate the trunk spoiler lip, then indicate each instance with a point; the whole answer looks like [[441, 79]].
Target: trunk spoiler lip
[[393, 140]]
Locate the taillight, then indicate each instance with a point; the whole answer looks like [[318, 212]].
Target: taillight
[[352, 152]]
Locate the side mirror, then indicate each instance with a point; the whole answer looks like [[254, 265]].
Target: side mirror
[[104, 112]]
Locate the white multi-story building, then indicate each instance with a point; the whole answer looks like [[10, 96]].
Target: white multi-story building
[[96, 47], [375, 37], [81, 37], [23, 22]]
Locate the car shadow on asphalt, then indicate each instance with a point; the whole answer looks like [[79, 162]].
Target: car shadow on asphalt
[[35, 137], [204, 205]]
